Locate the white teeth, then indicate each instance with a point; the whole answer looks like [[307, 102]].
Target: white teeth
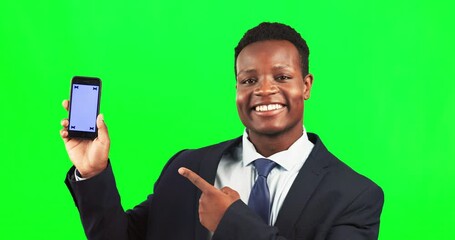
[[269, 107]]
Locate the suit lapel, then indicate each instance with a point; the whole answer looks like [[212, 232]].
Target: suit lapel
[[208, 166], [306, 182]]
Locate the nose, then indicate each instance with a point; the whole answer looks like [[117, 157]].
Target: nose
[[266, 87]]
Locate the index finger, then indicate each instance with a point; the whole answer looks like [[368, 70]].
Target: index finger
[[199, 182]]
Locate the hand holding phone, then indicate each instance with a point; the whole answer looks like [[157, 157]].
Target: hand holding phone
[[88, 150]]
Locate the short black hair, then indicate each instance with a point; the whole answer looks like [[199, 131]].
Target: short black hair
[[275, 31]]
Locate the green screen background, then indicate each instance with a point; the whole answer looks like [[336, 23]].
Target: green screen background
[[382, 99]]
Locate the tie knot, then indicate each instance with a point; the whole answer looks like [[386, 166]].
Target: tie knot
[[264, 166]]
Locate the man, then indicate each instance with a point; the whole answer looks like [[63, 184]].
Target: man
[[304, 193]]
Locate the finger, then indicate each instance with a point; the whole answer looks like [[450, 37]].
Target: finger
[[65, 104], [64, 131], [227, 190], [230, 192], [103, 135], [64, 135], [196, 179], [64, 123]]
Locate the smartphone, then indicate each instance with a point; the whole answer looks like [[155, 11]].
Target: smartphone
[[84, 107]]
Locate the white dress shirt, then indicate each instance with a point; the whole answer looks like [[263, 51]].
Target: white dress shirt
[[236, 170]]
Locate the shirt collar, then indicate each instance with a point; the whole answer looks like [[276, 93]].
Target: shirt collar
[[287, 159]]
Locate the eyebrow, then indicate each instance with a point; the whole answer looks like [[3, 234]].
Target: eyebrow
[[251, 70], [276, 67], [281, 66]]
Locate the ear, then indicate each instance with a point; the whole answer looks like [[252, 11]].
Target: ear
[[307, 84]]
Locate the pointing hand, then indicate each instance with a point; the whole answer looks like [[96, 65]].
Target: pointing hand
[[213, 202]]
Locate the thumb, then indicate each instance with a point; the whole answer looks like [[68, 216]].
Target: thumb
[[103, 136], [234, 195]]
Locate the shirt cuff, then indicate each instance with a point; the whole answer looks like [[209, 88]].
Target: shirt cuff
[[78, 176]]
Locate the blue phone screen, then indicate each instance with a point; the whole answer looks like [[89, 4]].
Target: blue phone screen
[[84, 107]]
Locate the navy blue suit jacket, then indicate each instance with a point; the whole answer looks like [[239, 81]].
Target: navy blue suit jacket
[[328, 200]]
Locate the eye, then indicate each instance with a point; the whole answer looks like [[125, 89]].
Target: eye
[[249, 81], [282, 77]]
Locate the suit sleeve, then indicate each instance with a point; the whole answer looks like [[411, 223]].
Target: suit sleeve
[[240, 222], [359, 221], [100, 209], [102, 215]]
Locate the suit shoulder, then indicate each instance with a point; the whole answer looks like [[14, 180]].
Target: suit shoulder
[[337, 171], [340, 168], [210, 149]]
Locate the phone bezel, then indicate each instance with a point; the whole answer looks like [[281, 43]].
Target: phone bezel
[[84, 81]]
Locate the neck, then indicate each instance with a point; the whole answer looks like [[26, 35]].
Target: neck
[[269, 144]]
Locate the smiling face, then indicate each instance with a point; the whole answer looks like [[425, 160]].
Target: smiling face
[[271, 89]]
